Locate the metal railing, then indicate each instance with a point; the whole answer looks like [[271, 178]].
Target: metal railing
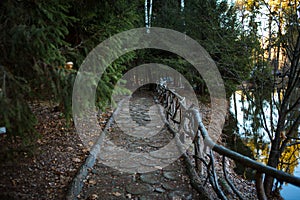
[[187, 122]]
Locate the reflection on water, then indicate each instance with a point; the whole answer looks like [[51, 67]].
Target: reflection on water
[[290, 192], [249, 131]]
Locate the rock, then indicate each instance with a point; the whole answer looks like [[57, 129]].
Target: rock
[[170, 185], [182, 195], [151, 162], [138, 188], [159, 190], [172, 175], [157, 144], [129, 164], [146, 169], [150, 178], [174, 166], [152, 196], [166, 153]]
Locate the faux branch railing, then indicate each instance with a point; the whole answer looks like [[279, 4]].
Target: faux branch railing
[[187, 122]]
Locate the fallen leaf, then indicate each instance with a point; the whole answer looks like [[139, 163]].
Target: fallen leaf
[[117, 194], [94, 196], [14, 182], [85, 150], [70, 148], [92, 182], [91, 143], [76, 160]]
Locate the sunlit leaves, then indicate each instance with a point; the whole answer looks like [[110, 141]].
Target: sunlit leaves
[[289, 158], [280, 5], [274, 5]]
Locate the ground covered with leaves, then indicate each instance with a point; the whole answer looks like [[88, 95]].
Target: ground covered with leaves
[[45, 168]]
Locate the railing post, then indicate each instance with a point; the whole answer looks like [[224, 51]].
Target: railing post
[[198, 153], [261, 195]]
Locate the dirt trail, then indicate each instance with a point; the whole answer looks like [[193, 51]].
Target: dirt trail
[[165, 178]]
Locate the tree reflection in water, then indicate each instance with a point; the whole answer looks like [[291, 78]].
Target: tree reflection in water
[[247, 129]]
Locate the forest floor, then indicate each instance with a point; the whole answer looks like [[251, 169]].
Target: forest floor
[[46, 169]]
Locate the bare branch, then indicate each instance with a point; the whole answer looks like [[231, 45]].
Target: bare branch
[[219, 192], [228, 181]]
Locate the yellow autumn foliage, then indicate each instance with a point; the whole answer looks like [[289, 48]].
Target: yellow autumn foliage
[[274, 5], [247, 5], [288, 159]]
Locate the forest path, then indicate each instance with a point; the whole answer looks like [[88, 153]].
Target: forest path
[[134, 161]]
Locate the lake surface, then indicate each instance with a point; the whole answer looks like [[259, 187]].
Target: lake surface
[[290, 192], [246, 119]]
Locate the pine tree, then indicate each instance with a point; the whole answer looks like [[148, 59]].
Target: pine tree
[[32, 34], [214, 24], [37, 37]]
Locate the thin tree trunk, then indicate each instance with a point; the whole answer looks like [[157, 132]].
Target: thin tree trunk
[[272, 162], [274, 156]]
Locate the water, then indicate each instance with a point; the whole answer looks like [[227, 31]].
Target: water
[[252, 139], [290, 192]]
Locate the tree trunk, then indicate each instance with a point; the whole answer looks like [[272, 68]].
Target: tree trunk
[[269, 180], [273, 160]]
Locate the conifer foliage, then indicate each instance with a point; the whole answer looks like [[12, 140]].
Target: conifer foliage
[[37, 38]]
